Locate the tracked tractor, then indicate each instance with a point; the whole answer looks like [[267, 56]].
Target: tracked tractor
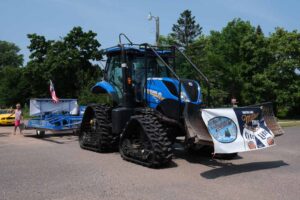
[[152, 107]]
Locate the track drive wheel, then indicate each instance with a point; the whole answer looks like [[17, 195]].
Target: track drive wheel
[[145, 141], [96, 130]]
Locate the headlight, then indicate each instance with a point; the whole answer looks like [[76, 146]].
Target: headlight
[[200, 95], [184, 97], [222, 129]]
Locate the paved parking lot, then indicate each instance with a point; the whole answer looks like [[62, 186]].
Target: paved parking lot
[[56, 168]]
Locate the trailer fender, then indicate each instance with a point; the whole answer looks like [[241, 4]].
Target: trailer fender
[[103, 87]]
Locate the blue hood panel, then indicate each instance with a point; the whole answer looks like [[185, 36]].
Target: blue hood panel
[[159, 89]]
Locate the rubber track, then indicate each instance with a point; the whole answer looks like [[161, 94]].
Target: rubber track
[[104, 140], [156, 133]]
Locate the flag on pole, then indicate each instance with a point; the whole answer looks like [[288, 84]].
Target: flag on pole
[[52, 92]]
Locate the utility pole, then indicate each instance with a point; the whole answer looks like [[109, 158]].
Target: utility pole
[[150, 17]]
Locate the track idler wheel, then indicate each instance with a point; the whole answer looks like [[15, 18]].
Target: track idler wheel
[[96, 129], [145, 141]]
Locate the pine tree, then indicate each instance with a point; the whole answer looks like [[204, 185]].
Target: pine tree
[[186, 29], [259, 30]]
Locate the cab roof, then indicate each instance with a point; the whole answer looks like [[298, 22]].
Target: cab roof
[[135, 49]]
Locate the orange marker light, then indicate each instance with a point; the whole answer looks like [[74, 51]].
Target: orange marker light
[[129, 81]]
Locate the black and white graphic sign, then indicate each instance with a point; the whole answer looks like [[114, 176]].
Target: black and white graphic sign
[[237, 129]]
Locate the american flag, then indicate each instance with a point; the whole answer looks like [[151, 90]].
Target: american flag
[[52, 92]]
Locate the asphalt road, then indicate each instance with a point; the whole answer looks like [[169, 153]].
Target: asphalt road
[[56, 168]]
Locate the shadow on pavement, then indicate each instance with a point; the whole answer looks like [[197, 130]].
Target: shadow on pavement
[[201, 157], [225, 167], [231, 169], [58, 138], [5, 134]]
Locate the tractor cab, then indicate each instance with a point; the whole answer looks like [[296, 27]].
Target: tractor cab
[[141, 64]]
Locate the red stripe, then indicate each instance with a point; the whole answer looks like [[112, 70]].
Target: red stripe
[[52, 92]]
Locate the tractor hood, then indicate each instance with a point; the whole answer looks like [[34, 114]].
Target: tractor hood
[[160, 89]]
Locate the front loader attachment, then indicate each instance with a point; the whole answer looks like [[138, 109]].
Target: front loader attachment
[[195, 127], [269, 117], [232, 130]]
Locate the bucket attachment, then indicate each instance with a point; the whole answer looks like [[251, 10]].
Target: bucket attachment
[[232, 130], [269, 117], [195, 126]]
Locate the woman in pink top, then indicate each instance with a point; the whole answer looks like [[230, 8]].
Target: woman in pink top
[[18, 118]]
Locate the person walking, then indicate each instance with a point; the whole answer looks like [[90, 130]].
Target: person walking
[[18, 118]]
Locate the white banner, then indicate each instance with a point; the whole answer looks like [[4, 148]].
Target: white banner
[[237, 129]]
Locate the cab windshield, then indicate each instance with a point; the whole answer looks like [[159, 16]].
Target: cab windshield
[[156, 68]]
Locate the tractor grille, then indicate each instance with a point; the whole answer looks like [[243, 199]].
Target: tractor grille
[[191, 89], [171, 87]]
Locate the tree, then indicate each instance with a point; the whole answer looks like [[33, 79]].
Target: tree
[[285, 48], [11, 74], [256, 51], [166, 40], [186, 29], [13, 87], [38, 47], [9, 55], [229, 55], [69, 63]]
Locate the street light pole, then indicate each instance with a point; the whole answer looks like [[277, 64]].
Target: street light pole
[[157, 30], [150, 17]]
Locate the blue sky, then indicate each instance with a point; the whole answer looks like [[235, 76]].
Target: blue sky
[[55, 18]]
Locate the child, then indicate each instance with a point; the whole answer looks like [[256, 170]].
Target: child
[[18, 118]]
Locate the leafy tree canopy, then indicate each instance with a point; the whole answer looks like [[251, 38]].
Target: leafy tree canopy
[[70, 63], [9, 55]]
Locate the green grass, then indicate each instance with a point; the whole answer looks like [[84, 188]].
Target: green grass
[[289, 123]]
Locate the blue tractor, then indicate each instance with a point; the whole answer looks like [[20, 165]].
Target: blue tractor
[[151, 106]]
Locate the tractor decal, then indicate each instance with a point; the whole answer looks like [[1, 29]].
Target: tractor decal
[[155, 94]]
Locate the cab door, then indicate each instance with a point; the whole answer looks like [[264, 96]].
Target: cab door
[[114, 74]]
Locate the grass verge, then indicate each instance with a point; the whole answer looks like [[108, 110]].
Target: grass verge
[[289, 123]]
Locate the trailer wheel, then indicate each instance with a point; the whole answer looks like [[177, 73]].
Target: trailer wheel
[[40, 133], [96, 130], [145, 141]]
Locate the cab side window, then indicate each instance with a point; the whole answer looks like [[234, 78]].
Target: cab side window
[[138, 76], [114, 73]]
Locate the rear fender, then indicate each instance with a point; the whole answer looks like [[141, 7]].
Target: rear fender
[[104, 87]]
